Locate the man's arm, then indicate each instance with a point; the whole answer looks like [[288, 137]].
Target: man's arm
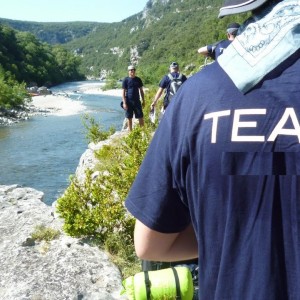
[[142, 96], [156, 246], [203, 50], [124, 99], [157, 96]]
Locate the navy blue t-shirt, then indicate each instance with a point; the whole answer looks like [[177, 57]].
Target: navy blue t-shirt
[[229, 163], [215, 50], [132, 86]]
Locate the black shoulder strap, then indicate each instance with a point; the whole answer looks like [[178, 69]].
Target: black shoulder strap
[[148, 285], [178, 294]]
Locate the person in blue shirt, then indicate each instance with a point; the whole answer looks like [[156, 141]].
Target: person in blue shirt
[[215, 50], [221, 178], [165, 85], [132, 92]]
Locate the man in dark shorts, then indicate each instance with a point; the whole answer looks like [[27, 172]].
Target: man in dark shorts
[[132, 91], [221, 179], [215, 50]]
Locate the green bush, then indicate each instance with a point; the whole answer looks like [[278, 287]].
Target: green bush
[[12, 93], [94, 130], [96, 207], [122, 253]]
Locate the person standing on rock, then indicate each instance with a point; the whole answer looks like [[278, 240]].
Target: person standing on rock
[[132, 91]]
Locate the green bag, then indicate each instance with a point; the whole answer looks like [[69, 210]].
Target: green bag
[[166, 284]]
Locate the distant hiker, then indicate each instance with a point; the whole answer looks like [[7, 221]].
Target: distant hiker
[[170, 83], [215, 50], [132, 91]]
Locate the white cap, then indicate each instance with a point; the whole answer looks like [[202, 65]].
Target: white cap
[[231, 7]]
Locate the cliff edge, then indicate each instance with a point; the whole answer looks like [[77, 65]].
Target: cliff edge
[[63, 268]]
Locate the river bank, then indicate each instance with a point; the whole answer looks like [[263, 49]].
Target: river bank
[[55, 103], [63, 105]]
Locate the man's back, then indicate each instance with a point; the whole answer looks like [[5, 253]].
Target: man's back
[[243, 184], [234, 162]]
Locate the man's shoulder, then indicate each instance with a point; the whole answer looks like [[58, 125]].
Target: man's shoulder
[[224, 43], [210, 77], [166, 78], [139, 81]]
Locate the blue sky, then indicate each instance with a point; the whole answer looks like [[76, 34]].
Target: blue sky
[[70, 10]]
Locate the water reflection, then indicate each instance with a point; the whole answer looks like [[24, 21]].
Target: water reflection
[[4, 132]]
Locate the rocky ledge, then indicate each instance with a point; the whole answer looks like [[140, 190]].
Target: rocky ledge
[[63, 268]]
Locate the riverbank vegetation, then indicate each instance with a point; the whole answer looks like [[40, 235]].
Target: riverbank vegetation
[[12, 93], [25, 61], [96, 208]]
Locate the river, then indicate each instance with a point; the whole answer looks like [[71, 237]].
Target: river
[[44, 151]]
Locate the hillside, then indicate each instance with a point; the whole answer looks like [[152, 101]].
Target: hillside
[[53, 32], [164, 31]]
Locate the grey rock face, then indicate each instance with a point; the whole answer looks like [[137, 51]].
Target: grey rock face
[[64, 268]]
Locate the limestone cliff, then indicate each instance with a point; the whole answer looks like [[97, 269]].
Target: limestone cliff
[[64, 268]]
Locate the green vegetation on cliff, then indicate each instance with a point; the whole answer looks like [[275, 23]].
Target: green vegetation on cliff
[[95, 208]]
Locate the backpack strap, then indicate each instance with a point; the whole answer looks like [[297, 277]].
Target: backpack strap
[[170, 76], [148, 285], [178, 294]]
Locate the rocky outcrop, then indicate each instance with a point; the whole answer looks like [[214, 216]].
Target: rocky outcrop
[[63, 268], [12, 116], [8, 117], [88, 159]]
